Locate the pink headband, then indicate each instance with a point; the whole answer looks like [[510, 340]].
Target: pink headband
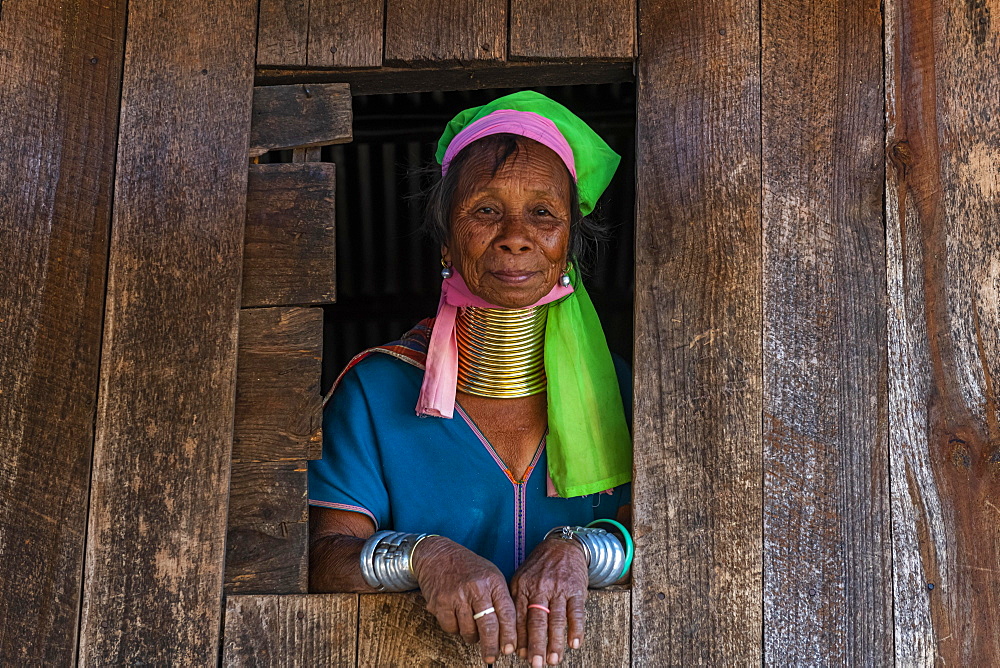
[[524, 123]]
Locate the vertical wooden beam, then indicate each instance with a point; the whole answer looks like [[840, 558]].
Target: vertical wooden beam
[[577, 29], [156, 536], [60, 79], [827, 561], [442, 31], [696, 595], [943, 193]]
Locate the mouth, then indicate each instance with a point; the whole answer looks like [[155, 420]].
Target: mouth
[[512, 276]]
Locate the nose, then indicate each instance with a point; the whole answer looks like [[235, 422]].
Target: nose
[[514, 235]]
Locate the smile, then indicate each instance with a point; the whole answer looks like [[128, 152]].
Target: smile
[[513, 277]]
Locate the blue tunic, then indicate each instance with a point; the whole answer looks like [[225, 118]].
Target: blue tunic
[[434, 475]]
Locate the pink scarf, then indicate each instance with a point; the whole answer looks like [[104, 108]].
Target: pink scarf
[[437, 394]]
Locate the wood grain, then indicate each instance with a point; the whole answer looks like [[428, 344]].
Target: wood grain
[[315, 630], [395, 629], [346, 33], [289, 254], [283, 32], [278, 402], [56, 181], [942, 196], [578, 29], [300, 116], [442, 31], [413, 80], [267, 543], [827, 555], [696, 595], [156, 533]]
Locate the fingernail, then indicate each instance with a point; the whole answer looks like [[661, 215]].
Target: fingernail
[[575, 644], [508, 649], [537, 661], [522, 653], [553, 659]]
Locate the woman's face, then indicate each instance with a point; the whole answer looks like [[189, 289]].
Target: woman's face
[[510, 233]]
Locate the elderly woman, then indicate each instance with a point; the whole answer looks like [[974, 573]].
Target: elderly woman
[[432, 445]]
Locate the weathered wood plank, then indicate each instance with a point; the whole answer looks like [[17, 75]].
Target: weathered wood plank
[[283, 32], [554, 29], [395, 629], [156, 534], [943, 193], [410, 80], [827, 554], [267, 543], [299, 116], [696, 595], [278, 402], [311, 154], [289, 255], [315, 630], [56, 180], [346, 33], [262, 492], [442, 31]]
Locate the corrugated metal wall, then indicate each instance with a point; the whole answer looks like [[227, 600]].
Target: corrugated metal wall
[[388, 273]]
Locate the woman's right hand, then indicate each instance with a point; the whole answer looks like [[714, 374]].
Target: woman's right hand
[[457, 583]]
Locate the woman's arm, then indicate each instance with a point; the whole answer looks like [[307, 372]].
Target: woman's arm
[[455, 582], [555, 577], [335, 541]]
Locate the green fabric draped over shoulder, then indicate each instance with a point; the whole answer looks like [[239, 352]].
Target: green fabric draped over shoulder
[[589, 446]]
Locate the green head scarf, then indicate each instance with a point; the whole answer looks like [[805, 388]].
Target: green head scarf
[[594, 161]]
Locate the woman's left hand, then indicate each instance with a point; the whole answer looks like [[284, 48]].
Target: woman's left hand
[[554, 577]]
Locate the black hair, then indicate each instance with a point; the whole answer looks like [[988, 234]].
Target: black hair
[[584, 232]]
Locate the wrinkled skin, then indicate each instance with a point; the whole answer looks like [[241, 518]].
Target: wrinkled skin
[[509, 241], [510, 233]]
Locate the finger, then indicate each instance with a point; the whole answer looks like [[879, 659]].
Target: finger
[[466, 626], [557, 631], [447, 620], [507, 620], [538, 634], [489, 630], [521, 626], [576, 613]]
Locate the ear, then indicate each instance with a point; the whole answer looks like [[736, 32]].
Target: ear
[[444, 253]]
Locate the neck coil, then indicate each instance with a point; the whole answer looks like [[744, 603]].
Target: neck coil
[[501, 351]]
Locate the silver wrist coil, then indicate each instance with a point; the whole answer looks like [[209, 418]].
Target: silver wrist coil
[[385, 560], [605, 554]]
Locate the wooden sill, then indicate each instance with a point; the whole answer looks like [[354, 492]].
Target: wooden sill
[[390, 630]]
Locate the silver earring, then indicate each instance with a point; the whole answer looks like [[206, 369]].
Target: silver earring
[[445, 269], [564, 280]]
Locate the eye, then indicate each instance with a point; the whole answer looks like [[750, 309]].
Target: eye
[[487, 210]]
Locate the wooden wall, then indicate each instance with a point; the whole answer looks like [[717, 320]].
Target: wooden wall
[[943, 274], [817, 288], [373, 33], [58, 141]]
